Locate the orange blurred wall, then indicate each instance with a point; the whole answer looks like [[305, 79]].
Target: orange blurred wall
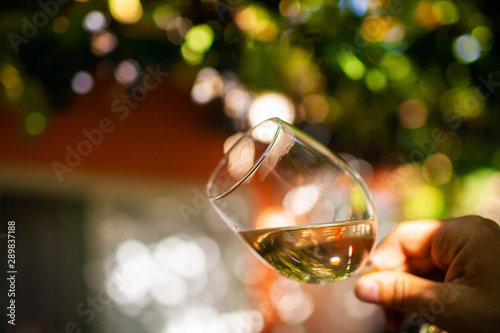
[[165, 135]]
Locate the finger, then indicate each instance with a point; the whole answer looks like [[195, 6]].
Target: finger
[[408, 240], [397, 290]]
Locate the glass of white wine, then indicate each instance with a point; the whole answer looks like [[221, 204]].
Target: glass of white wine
[[300, 208]]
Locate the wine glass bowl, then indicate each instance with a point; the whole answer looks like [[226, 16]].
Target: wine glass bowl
[[300, 208]]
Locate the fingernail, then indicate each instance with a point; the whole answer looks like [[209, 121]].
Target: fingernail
[[368, 290]]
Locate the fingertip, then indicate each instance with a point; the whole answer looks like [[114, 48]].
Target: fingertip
[[367, 290]]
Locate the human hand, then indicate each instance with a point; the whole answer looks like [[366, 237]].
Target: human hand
[[446, 272]]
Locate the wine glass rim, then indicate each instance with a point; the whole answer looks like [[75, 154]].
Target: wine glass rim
[[255, 165]]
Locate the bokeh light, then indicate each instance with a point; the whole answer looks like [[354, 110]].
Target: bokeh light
[[426, 196], [177, 29], [302, 199], [12, 81], [126, 11], [164, 14], [236, 102], [316, 108], [428, 15], [437, 169], [103, 42], [375, 80], [60, 24], [358, 7], [466, 49], [199, 38], [269, 105], [82, 82], [484, 36], [462, 102], [95, 21], [445, 12], [413, 113], [35, 123], [207, 86], [351, 65], [256, 21], [127, 71]]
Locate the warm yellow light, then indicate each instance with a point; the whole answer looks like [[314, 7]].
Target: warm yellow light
[[10, 78], [316, 108], [413, 113], [375, 28], [256, 21], [445, 12], [463, 102], [103, 42], [60, 24], [274, 217], [437, 169], [126, 11], [246, 19], [427, 16]]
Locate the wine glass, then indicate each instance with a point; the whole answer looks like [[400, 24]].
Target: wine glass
[[302, 209]]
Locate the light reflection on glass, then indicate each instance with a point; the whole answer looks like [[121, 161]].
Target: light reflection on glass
[[241, 158], [231, 140], [302, 199], [274, 217]]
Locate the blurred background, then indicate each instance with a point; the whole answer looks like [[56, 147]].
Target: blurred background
[[113, 114]]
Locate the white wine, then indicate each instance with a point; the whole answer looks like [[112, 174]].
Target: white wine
[[315, 254]]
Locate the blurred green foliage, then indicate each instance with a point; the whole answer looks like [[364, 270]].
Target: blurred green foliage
[[393, 82]]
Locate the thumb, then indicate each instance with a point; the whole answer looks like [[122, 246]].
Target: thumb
[[397, 290]]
